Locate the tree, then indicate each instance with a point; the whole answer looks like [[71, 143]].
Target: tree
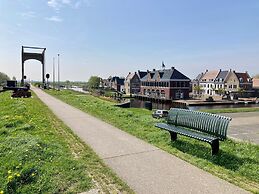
[[67, 84], [3, 78], [14, 78], [198, 89], [221, 91], [93, 82]]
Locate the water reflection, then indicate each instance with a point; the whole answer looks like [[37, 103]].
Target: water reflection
[[141, 104]]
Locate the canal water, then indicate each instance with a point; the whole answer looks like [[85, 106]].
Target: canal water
[[135, 103]]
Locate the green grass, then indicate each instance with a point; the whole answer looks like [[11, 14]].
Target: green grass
[[237, 162], [39, 154], [231, 110]]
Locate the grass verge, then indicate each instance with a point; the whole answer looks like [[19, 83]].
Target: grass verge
[[237, 162], [39, 154]]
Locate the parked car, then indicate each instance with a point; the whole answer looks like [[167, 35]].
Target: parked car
[[160, 114]]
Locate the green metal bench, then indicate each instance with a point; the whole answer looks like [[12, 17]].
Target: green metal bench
[[202, 126]]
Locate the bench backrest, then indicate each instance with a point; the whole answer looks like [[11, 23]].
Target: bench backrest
[[213, 124]]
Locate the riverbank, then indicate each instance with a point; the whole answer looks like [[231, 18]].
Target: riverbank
[[237, 162], [39, 154]]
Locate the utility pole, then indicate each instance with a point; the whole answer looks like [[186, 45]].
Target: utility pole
[[58, 74], [53, 83]]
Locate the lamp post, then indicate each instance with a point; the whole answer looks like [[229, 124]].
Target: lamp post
[[58, 73], [53, 82]]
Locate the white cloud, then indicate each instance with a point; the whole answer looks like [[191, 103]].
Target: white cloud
[[58, 4], [54, 19], [53, 3], [29, 14]]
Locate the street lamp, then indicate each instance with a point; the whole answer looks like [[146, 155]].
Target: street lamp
[[58, 74]]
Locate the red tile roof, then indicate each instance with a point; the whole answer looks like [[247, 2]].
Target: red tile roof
[[244, 77]]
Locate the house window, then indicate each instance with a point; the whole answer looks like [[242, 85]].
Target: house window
[[235, 86]]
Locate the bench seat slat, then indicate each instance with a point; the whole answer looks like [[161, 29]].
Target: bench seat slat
[[186, 132]]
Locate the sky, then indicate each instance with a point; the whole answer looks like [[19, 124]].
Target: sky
[[114, 37]]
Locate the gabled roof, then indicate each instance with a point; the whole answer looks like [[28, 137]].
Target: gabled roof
[[120, 81], [210, 75], [222, 76], [198, 78], [243, 76], [130, 76], [142, 74], [165, 75]]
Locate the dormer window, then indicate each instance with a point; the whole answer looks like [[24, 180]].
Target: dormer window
[[240, 79]]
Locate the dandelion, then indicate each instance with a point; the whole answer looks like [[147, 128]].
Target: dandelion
[[1, 192], [17, 174], [10, 178], [32, 174]]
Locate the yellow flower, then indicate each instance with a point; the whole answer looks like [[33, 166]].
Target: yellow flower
[[17, 174], [10, 177], [32, 174], [1, 192], [9, 171]]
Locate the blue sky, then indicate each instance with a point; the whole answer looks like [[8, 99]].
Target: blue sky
[[113, 37]]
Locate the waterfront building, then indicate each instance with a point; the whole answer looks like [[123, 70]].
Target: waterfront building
[[218, 82], [166, 84], [245, 81], [207, 82], [132, 82], [196, 89]]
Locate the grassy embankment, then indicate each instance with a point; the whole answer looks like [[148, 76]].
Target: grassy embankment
[[39, 154], [237, 162]]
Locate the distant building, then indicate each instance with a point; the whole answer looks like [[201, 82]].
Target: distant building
[[117, 83], [132, 82], [255, 83], [218, 82], [207, 82], [196, 89], [245, 81], [167, 84], [226, 81]]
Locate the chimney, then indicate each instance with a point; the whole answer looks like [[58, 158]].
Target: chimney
[[154, 69], [135, 72], [148, 71], [219, 70], [172, 68], [207, 70], [230, 70]]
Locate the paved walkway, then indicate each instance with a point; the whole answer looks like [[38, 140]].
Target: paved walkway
[[145, 168], [244, 126]]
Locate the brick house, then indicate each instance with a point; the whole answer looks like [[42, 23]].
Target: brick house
[[167, 84], [245, 81], [132, 82]]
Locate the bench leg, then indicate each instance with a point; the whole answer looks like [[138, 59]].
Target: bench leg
[[173, 135], [215, 146]]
